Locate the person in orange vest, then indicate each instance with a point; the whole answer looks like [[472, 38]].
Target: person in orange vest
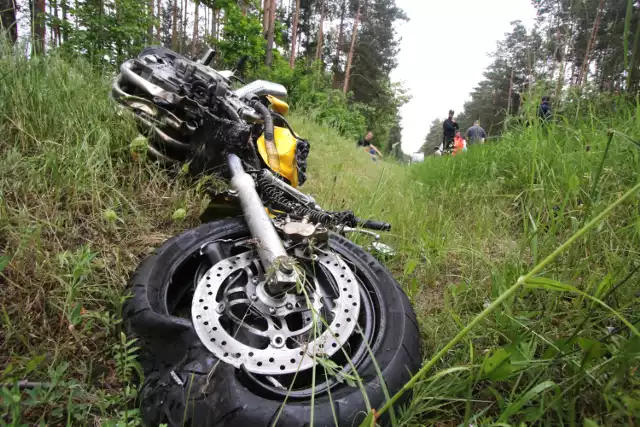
[[459, 144]]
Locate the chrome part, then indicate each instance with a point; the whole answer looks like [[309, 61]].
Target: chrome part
[[235, 335], [227, 74], [156, 91], [383, 248], [207, 57], [261, 87], [270, 248], [275, 382], [346, 229], [297, 232]]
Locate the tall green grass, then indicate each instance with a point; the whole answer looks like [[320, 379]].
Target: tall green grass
[[77, 214], [469, 227]]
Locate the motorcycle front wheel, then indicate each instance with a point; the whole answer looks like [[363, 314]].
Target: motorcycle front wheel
[[242, 372]]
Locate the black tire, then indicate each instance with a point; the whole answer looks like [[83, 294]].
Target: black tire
[[176, 363]]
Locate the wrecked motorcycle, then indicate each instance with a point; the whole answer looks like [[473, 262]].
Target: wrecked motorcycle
[[266, 313]]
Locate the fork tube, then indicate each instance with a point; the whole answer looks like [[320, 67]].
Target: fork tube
[[270, 247]]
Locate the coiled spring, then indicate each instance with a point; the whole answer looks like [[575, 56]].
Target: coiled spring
[[279, 200]]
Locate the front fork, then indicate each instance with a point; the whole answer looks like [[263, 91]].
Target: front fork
[[273, 256]]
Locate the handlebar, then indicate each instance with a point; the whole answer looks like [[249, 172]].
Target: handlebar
[[374, 225]]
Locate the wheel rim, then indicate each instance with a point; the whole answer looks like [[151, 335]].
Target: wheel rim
[[295, 383]]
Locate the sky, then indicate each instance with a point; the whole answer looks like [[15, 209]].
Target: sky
[[440, 62]]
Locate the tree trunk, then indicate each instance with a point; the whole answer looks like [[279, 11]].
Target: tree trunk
[[320, 41], [294, 34], [244, 7], [183, 37], [195, 30], [268, 60], [266, 8], [218, 27], [354, 35], [8, 23], [632, 81], [56, 23], [336, 58], [214, 31], [174, 26], [159, 22], [510, 93], [65, 21], [585, 64], [38, 26], [150, 12]]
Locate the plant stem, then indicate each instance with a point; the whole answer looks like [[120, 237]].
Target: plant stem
[[538, 268]]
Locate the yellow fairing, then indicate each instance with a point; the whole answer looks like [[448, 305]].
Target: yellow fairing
[[286, 146], [278, 105]]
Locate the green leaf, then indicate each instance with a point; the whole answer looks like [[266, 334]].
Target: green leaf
[[603, 287], [498, 367], [34, 363], [7, 371], [549, 285], [593, 351], [74, 316], [561, 345], [527, 398], [410, 267], [370, 420], [179, 214], [4, 261], [590, 423], [574, 183]]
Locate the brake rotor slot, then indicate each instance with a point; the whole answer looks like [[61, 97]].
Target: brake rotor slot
[[229, 315]]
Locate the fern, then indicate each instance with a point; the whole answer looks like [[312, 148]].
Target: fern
[[126, 358]]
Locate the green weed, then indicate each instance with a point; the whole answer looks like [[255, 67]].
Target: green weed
[[77, 214]]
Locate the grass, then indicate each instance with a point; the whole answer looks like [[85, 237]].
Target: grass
[[77, 214]]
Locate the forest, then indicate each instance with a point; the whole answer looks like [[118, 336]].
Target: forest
[[520, 258], [577, 50], [334, 56]]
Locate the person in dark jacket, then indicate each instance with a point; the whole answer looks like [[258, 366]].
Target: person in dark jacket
[[449, 128], [544, 111]]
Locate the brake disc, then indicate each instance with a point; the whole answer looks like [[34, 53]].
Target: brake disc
[[241, 324]]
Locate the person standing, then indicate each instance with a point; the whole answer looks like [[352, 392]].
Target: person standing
[[544, 110], [459, 144], [449, 128], [476, 134]]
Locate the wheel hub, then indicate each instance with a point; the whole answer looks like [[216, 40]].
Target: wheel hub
[[242, 324]]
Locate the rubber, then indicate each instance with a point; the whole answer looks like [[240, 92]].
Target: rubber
[[176, 391]]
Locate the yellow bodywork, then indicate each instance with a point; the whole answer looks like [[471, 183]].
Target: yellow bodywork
[[278, 105], [286, 146]]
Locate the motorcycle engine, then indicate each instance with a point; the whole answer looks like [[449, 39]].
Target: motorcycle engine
[[178, 103]]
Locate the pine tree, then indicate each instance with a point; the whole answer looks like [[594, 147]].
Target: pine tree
[[294, 36], [8, 23]]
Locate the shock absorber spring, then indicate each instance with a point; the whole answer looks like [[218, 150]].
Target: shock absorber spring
[[280, 200]]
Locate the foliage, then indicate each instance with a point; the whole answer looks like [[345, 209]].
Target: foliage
[[434, 138], [565, 56], [76, 216], [465, 229], [242, 35]]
